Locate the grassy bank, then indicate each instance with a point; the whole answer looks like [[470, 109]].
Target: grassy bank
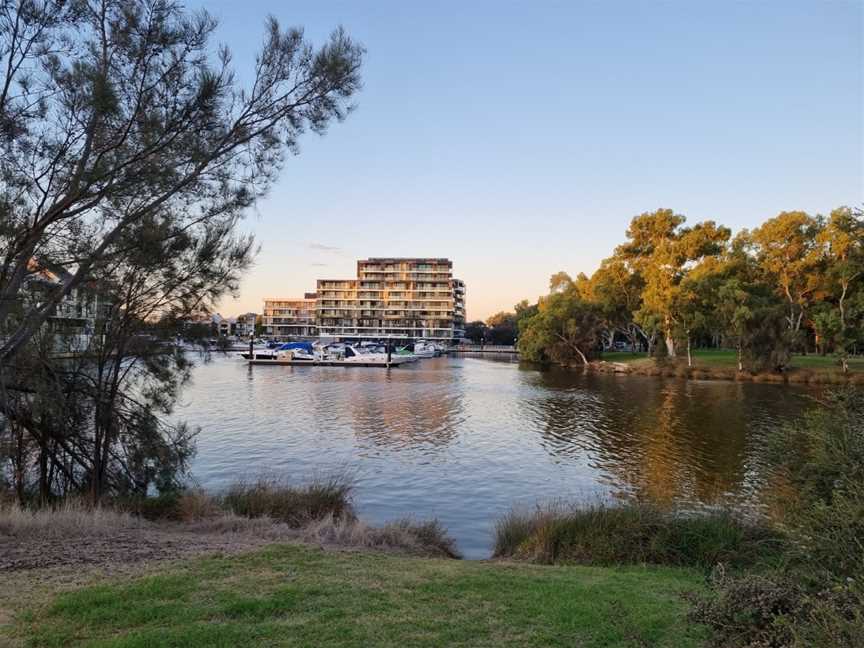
[[300, 596], [722, 364]]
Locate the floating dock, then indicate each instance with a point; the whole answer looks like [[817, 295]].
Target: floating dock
[[323, 363]]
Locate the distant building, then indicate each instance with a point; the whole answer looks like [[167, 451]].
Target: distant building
[[245, 325], [74, 320], [399, 297], [287, 317]]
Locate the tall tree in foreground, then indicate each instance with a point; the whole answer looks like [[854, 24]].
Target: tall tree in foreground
[[128, 153], [113, 112]]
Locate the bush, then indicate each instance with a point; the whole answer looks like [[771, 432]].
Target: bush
[[818, 599], [426, 538], [780, 610], [631, 534], [749, 611], [293, 505]]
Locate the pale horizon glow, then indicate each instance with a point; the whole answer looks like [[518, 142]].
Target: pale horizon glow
[[519, 140]]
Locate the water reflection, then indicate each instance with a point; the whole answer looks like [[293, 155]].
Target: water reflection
[[465, 438]]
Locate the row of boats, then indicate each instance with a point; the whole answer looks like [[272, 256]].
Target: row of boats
[[364, 354]]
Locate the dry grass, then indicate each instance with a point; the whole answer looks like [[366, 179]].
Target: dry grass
[[427, 538], [69, 519]]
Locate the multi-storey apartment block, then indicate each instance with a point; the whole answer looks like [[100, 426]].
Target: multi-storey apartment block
[[410, 298], [290, 317], [405, 298]]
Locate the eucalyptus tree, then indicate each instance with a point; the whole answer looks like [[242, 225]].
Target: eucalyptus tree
[[663, 251], [788, 252], [617, 289], [566, 327], [841, 247]]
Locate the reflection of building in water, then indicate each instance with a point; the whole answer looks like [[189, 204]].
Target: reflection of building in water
[[676, 441], [416, 412]]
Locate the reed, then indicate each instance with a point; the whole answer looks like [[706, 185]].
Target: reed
[[631, 534]]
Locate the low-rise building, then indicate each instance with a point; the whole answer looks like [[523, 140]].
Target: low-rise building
[[245, 325], [290, 317]]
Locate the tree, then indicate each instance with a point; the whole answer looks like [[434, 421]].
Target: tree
[[565, 327], [786, 248], [475, 331], [129, 154], [841, 243], [617, 289], [501, 328], [663, 252], [114, 112]]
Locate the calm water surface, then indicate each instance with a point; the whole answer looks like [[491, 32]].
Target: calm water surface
[[464, 439]]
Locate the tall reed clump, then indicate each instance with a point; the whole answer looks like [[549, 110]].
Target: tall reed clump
[[634, 533], [296, 506]]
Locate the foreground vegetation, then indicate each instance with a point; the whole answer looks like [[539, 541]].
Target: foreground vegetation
[[293, 595]]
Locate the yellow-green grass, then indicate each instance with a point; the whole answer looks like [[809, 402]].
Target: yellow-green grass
[[292, 595], [728, 358]]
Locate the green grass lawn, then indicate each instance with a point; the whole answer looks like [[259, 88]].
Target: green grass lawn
[[728, 358], [300, 596]]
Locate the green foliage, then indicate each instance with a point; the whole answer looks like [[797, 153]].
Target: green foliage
[[501, 328], [817, 599], [632, 534], [294, 505], [793, 283], [566, 328]]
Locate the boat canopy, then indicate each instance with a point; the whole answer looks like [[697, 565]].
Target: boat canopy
[[306, 346]]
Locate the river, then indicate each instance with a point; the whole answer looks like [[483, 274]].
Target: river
[[464, 439]]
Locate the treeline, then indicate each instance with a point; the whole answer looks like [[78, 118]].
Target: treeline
[[794, 284]]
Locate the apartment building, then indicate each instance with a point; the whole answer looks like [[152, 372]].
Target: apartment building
[[286, 317], [404, 298], [408, 298]]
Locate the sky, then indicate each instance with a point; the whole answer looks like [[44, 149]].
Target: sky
[[519, 139]]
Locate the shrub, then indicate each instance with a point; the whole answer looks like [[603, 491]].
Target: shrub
[[818, 599], [752, 611], [780, 610], [293, 505], [632, 533], [425, 538]]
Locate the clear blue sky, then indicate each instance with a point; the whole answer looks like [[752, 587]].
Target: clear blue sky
[[519, 139]]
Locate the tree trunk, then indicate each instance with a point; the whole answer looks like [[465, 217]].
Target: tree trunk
[[740, 360], [581, 355], [689, 355], [670, 344]]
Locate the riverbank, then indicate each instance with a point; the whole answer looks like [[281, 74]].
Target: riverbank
[[715, 364], [302, 595]]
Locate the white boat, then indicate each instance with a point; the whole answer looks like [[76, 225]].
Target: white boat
[[423, 349], [334, 355]]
